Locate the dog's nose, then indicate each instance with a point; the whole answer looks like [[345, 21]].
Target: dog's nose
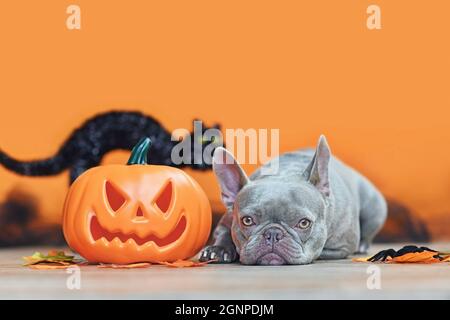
[[273, 235]]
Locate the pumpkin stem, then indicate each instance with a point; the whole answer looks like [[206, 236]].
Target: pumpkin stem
[[140, 151]]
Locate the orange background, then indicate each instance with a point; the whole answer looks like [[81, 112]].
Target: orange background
[[306, 67]]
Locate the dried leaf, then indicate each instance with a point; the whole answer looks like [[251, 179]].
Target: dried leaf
[[185, 263], [364, 259], [417, 257], [126, 266], [44, 266], [53, 256]]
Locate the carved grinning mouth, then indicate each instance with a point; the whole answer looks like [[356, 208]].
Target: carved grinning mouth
[[98, 232]]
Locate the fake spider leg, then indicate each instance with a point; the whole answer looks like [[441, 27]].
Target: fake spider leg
[[383, 255]]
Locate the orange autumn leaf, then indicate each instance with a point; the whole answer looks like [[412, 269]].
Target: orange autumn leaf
[[415, 257], [185, 263], [446, 258], [363, 259], [126, 266]]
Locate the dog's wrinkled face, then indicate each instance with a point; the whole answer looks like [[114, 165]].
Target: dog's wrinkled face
[[282, 227], [277, 219]]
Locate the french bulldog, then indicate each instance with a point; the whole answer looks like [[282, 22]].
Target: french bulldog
[[315, 207]]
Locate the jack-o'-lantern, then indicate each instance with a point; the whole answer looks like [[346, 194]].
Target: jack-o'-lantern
[[136, 212]]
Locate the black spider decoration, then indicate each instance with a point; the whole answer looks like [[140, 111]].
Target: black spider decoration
[[384, 254]]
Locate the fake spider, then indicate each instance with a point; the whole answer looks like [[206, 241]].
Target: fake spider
[[391, 253]]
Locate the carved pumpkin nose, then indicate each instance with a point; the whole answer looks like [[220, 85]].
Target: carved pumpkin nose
[[139, 212]]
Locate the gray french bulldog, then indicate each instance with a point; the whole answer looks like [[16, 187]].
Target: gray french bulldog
[[315, 207]]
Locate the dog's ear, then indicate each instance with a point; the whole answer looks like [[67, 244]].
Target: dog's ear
[[317, 171], [230, 175]]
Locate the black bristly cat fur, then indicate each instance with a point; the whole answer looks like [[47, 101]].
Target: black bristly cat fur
[[105, 132]]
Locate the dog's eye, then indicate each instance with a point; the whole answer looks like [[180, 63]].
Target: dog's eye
[[304, 223], [247, 221]]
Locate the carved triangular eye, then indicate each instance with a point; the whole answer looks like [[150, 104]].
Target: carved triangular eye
[[115, 198], [165, 197]]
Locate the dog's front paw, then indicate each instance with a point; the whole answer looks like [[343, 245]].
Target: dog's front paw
[[220, 254]]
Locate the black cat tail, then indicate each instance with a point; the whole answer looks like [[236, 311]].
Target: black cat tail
[[44, 167]]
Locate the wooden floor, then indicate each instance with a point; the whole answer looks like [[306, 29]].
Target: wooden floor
[[342, 279]]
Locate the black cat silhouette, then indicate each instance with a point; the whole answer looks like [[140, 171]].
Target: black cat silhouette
[[98, 135]]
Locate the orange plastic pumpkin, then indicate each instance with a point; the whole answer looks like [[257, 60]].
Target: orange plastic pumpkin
[[136, 212]]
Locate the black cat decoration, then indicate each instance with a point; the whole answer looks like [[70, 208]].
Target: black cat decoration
[[98, 135]]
